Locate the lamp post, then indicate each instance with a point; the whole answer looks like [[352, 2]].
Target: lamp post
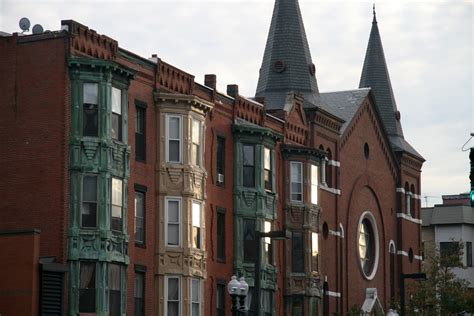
[[238, 289], [275, 235], [413, 276]]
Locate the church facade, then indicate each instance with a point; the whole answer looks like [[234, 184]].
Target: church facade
[[151, 190]]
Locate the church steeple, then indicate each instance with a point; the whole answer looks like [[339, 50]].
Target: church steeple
[[287, 65]]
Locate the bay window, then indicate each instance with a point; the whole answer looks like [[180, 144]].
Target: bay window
[[117, 204], [90, 109], [114, 283], [195, 297], [248, 160], [116, 114], [296, 178], [196, 147], [87, 287], [173, 222], [196, 221], [173, 296], [89, 201], [173, 138]]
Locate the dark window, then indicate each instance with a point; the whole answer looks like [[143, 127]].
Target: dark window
[[220, 234], [252, 302], [366, 246], [267, 302], [117, 204], [329, 169], [413, 201], [392, 271], [174, 138], [297, 252], [173, 295], [90, 109], [366, 151], [448, 252], [114, 282], [297, 306], [248, 166], [116, 114], [468, 253], [267, 172], [140, 132], [87, 287], [89, 201], [139, 294], [408, 199], [250, 246], [220, 300], [139, 217], [220, 165]]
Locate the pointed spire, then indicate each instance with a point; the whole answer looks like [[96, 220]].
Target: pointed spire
[[375, 17], [287, 65]]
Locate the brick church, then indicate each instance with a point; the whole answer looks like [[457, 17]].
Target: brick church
[[128, 188]]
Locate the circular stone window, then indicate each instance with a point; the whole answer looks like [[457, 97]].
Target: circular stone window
[[368, 245], [279, 66], [366, 151]]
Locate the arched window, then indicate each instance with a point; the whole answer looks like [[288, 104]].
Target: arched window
[[329, 169], [407, 199], [392, 252], [322, 174], [413, 201]]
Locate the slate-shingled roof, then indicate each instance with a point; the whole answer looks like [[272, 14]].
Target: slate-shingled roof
[[447, 214], [286, 43]]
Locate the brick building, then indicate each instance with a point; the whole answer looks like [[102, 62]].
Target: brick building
[[135, 190]]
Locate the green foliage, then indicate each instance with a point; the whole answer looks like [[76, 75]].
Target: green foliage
[[442, 293], [355, 311]]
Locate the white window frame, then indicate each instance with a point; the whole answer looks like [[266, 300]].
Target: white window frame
[[180, 224], [137, 217], [291, 181], [191, 298], [314, 186], [199, 154], [196, 202], [180, 139], [167, 277]]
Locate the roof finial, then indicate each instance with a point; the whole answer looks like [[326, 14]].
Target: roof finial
[[375, 18]]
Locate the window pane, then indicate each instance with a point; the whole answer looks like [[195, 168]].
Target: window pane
[[116, 126], [116, 191], [196, 291], [139, 283], [220, 155], [173, 150], [174, 130], [314, 184], [173, 234], [140, 121], [139, 216], [196, 132], [295, 172], [90, 121], [173, 309], [248, 156], [173, 211], [314, 251], [220, 236], [173, 289], [298, 252], [90, 93], [87, 287], [89, 201], [114, 282], [116, 101], [250, 246], [268, 161], [196, 214], [89, 189]]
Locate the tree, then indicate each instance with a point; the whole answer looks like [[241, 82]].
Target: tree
[[442, 293]]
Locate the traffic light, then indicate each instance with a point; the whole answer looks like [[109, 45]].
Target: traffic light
[[471, 176]]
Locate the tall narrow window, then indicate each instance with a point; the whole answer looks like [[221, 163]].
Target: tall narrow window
[[140, 131], [220, 300], [90, 109], [89, 201], [139, 294], [413, 201], [267, 159], [173, 218], [115, 282], [268, 247], [250, 249], [314, 251], [87, 286], [267, 302], [296, 181], [195, 297], [139, 217], [297, 252], [392, 270], [196, 148], [407, 199], [221, 234], [117, 204], [314, 184], [248, 165], [329, 169], [173, 127], [196, 225], [297, 306], [468, 254], [116, 114], [173, 296], [220, 161]]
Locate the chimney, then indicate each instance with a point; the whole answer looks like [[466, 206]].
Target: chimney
[[210, 81], [233, 90]]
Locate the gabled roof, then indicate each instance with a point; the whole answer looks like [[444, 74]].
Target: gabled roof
[[375, 75], [287, 65], [447, 214]]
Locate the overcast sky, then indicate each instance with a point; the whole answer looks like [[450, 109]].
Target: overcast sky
[[428, 47]]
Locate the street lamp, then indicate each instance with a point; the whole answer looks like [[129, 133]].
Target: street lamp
[[412, 276], [275, 235], [238, 289]]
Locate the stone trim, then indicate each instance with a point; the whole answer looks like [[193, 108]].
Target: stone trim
[[333, 294], [334, 163], [331, 190], [409, 218]]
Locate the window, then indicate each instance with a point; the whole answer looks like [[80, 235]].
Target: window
[[314, 184], [248, 166], [87, 287], [196, 148], [314, 304], [173, 296], [89, 201], [267, 174], [267, 302], [195, 297], [329, 169], [221, 234], [268, 246], [297, 252], [250, 248], [296, 181], [173, 128], [140, 131], [173, 219], [297, 306], [116, 114], [117, 203], [392, 270], [314, 251], [407, 199], [139, 217], [139, 293], [468, 254], [114, 282], [413, 201], [220, 300], [366, 246], [90, 110], [252, 303], [196, 225], [448, 252], [220, 159]]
